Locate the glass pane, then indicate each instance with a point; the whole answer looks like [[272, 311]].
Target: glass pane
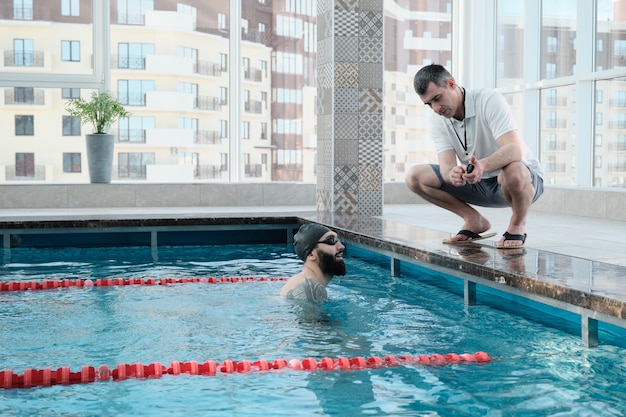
[[558, 38], [416, 34], [558, 135], [510, 43], [610, 35], [609, 165]]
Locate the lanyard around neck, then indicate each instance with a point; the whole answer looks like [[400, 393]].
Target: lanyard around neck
[[464, 142]]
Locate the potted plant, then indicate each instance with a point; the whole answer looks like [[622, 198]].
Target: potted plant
[[101, 111]]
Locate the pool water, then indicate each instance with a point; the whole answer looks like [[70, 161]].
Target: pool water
[[537, 370]]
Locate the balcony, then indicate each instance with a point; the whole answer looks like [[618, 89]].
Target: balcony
[[253, 106], [34, 59], [24, 97]]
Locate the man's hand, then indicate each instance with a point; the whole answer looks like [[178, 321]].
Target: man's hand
[[473, 174], [457, 174]]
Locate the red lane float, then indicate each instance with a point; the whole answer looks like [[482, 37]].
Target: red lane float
[[109, 282], [64, 376]]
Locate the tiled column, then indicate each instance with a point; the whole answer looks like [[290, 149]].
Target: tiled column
[[350, 107]]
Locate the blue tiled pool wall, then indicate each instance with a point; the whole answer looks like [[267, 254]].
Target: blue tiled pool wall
[[139, 237], [524, 307]]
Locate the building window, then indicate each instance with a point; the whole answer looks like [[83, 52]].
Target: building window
[[133, 92], [71, 162], [70, 7], [221, 21], [71, 126], [70, 51], [263, 130], [68, 93], [245, 130], [223, 62], [25, 164], [24, 125], [133, 164], [23, 52], [223, 162], [24, 95], [223, 129], [133, 55], [223, 96], [23, 9]]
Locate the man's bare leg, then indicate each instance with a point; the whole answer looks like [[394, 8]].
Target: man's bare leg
[[518, 190], [422, 180]]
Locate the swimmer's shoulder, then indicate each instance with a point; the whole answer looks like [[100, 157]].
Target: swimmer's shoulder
[[304, 288]]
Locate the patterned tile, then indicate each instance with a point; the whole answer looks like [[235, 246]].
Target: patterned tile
[[370, 49], [346, 202], [346, 49], [346, 126], [346, 152], [324, 153], [346, 23], [326, 73], [371, 126], [346, 100], [370, 75], [373, 5], [370, 203], [327, 24], [328, 100], [346, 4], [346, 177], [371, 24], [370, 152], [346, 75], [370, 178], [324, 200], [324, 5], [370, 100]]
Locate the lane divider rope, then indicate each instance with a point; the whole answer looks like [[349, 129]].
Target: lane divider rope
[[109, 282], [87, 374]]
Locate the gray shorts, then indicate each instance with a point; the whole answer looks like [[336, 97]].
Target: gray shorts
[[487, 192]]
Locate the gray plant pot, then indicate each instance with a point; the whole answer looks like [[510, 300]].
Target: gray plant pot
[[100, 157]]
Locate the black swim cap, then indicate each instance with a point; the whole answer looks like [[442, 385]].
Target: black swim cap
[[307, 237]]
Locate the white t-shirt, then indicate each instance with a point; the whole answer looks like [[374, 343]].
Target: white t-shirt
[[487, 117]]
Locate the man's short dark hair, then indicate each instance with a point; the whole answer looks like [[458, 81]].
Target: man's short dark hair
[[433, 73]]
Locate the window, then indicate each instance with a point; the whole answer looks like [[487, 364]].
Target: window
[[244, 25], [598, 119], [221, 21], [24, 125], [131, 12], [68, 93], [223, 162], [245, 130], [133, 92], [223, 129], [133, 129], [23, 53], [70, 51], [23, 9], [71, 162], [133, 55], [223, 62], [24, 95], [25, 164], [263, 130], [71, 126], [223, 95], [262, 27], [133, 164], [70, 7]]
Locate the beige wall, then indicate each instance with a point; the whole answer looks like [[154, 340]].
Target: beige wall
[[587, 202]]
